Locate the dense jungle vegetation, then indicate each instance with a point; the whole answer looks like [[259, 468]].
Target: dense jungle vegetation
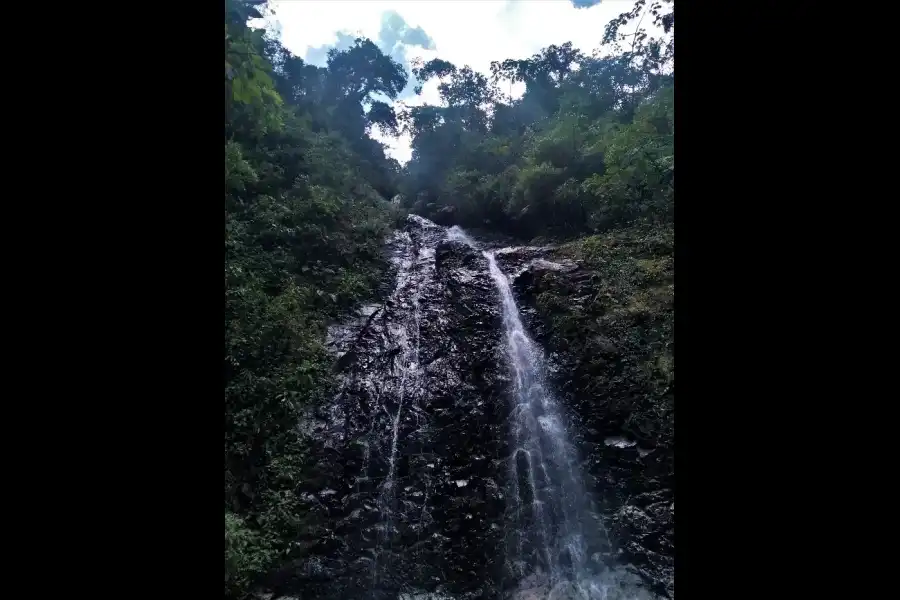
[[585, 155]]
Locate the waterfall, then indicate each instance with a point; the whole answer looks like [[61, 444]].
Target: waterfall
[[549, 499], [551, 527], [448, 468], [400, 392]]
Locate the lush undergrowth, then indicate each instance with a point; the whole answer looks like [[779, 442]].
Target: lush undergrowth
[[305, 221], [621, 328]]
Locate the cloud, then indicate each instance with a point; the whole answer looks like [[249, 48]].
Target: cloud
[[395, 31], [319, 55], [395, 38], [586, 3]]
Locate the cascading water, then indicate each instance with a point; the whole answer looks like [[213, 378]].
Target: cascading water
[[548, 497], [447, 468], [401, 391], [552, 530]]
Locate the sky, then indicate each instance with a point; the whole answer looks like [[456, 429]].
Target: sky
[[464, 32]]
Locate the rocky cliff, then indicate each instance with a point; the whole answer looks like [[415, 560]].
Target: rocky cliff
[[412, 475]]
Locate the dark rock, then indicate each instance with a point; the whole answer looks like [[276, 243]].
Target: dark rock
[[412, 496], [602, 375], [428, 364]]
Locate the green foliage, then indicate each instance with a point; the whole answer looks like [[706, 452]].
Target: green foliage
[[305, 219], [589, 145], [246, 554], [639, 180], [238, 172], [615, 318], [363, 70], [248, 80]]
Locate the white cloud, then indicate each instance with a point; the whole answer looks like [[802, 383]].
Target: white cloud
[[465, 32]]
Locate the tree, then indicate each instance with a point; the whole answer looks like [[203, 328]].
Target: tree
[[564, 158], [363, 70]]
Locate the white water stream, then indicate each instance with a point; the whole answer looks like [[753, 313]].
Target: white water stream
[[551, 526]]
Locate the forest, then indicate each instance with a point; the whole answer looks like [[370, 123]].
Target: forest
[[585, 154]]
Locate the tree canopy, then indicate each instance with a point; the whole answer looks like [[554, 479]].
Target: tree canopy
[[589, 144]]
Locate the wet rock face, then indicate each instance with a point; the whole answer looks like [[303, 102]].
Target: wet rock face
[[418, 430], [413, 452], [626, 447]]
